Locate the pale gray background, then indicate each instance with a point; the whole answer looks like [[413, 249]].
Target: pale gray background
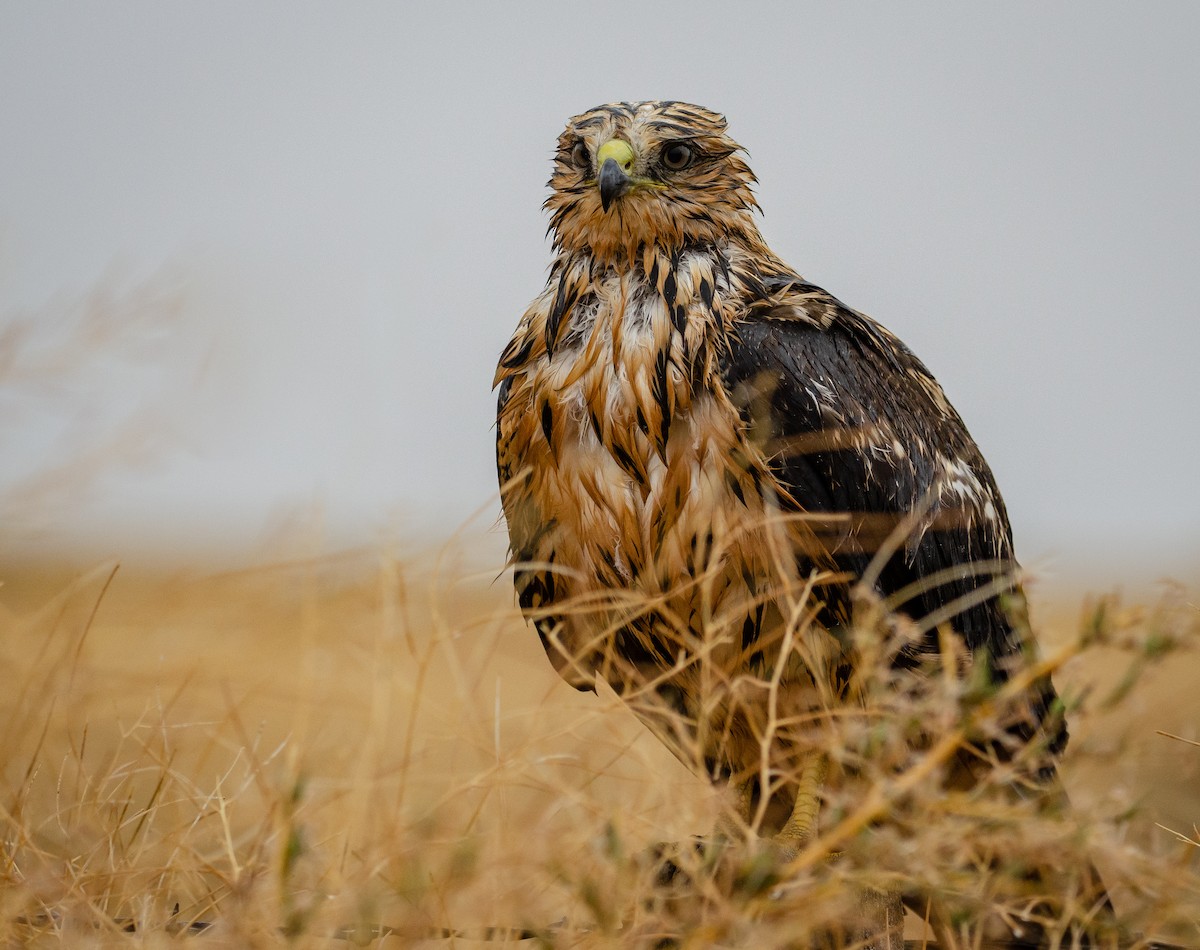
[[312, 227]]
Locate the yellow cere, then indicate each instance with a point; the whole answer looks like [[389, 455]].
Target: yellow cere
[[617, 149]]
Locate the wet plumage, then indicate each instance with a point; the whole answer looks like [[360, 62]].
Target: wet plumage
[[705, 460], [679, 406]]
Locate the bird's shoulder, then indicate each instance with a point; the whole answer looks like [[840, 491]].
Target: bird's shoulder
[[844, 408], [824, 364]]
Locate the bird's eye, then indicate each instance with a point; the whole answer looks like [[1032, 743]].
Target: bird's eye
[[580, 156], [676, 155]]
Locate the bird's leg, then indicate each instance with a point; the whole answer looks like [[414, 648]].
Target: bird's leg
[[879, 921], [801, 827]]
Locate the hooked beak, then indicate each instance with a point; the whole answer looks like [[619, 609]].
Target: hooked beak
[[616, 162]]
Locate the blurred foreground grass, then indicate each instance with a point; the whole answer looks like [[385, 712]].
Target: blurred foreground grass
[[304, 746], [291, 750]]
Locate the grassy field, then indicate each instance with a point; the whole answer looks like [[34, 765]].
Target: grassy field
[[289, 751]]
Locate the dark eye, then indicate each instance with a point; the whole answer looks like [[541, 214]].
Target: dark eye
[[677, 155], [580, 156]]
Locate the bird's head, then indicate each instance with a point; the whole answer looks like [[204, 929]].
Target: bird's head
[[648, 173]]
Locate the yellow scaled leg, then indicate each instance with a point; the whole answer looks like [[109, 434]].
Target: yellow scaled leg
[[801, 827], [879, 922]]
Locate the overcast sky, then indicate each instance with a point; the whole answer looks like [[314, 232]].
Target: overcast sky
[[258, 260]]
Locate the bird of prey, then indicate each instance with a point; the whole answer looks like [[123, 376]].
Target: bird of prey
[[700, 451]]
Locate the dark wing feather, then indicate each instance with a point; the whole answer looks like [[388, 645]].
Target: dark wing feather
[[854, 425]]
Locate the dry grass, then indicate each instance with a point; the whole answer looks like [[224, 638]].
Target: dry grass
[[287, 752]]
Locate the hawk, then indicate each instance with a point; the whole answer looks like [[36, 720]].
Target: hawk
[[699, 451]]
